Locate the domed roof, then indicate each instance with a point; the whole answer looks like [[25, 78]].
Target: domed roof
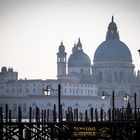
[[112, 49], [78, 58], [4, 69]]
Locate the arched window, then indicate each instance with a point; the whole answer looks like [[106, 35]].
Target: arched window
[[100, 76], [121, 75], [14, 107], [49, 104], [90, 105], [34, 105], [82, 71], [115, 76], [24, 108], [76, 104]]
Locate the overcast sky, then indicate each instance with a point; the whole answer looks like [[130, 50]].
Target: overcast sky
[[31, 31]]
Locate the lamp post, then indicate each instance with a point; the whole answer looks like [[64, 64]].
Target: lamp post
[[59, 102], [139, 52], [135, 98], [127, 97], [104, 94], [47, 92]]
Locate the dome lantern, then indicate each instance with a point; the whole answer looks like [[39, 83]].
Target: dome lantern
[[112, 32], [79, 45]]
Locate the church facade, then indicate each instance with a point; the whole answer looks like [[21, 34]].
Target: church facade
[[82, 82]]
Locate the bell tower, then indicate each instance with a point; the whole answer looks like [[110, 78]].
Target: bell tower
[[61, 61]]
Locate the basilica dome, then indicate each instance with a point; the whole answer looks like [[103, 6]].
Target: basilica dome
[[78, 58], [112, 49]]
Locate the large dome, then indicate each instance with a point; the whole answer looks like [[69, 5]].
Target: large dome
[[112, 50], [79, 59]]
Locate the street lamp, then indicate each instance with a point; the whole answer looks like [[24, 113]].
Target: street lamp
[[47, 92], [104, 95], [127, 97]]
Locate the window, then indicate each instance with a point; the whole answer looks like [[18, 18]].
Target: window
[[24, 107], [76, 104], [100, 76], [15, 108], [49, 104], [82, 71], [34, 105], [27, 90], [73, 90], [34, 90], [90, 105], [20, 90], [13, 90]]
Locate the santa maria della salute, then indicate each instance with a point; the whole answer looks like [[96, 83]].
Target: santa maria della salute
[[83, 81]]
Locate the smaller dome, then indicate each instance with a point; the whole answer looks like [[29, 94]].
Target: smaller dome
[[4, 69], [79, 59]]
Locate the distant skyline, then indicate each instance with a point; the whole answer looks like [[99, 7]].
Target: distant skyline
[[32, 30]]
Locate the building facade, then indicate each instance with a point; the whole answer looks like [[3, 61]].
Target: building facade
[[82, 82]]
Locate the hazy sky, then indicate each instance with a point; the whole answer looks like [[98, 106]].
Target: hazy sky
[[31, 31]]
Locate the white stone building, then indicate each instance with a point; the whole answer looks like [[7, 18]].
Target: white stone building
[[82, 82]]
